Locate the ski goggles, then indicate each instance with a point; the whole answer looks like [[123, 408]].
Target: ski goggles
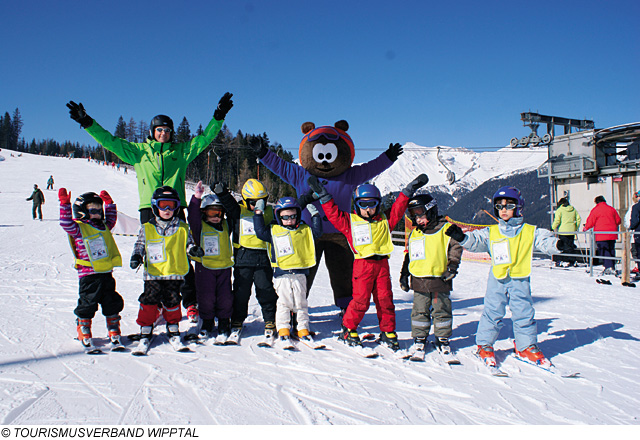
[[364, 204], [289, 217], [330, 133], [94, 211], [213, 211], [508, 206], [417, 212], [166, 204], [163, 130]]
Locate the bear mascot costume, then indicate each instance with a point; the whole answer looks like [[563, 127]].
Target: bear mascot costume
[[327, 152]]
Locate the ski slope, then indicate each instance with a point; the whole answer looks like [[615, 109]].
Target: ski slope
[[46, 378]]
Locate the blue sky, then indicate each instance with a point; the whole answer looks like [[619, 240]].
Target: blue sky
[[433, 73]]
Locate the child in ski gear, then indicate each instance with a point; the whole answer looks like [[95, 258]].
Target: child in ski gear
[[290, 243], [431, 264], [96, 254], [211, 231], [251, 260], [510, 244], [369, 236], [606, 219], [38, 200], [163, 244], [159, 161]]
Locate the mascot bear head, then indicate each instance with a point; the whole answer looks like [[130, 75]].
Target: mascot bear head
[[326, 151]]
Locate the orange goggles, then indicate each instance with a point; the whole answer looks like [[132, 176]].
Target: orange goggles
[[213, 211]]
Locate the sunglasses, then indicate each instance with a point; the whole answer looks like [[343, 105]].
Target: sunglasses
[[165, 130], [508, 206], [166, 204], [289, 217], [363, 204]]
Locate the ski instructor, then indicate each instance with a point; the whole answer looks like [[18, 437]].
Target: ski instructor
[[158, 162]]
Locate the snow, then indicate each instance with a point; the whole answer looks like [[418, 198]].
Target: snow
[[46, 379]]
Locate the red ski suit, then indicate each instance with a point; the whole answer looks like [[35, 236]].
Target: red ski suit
[[370, 275]]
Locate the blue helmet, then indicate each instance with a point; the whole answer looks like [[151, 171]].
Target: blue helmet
[[366, 191], [287, 203], [509, 192]]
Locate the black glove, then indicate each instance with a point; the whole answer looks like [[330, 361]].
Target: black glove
[[417, 183], [563, 246], [319, 189], [306, 198], [456, 233], [219, 188], [78, 114], [393, 151], [136, 260], [196, 251], [449, 274], [404, 282], [260, 149], [224, 105]]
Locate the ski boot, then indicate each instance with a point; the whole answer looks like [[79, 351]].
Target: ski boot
[[389, 339], [442, 344], [284, 339], [173, 330], [485, 352], [418, 349], [84, 331], [350, 337], [192, 313], [113, 329], [224, 331], [532, 354]]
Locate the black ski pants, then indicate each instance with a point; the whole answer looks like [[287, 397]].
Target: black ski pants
[[262, 278], [98, 290]]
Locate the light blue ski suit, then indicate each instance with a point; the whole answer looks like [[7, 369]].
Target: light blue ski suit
[[516, 292]]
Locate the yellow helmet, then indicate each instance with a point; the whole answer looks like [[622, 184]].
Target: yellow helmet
[[254, 189]]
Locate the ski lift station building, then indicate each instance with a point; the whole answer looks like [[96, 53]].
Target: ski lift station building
[[585, 162]]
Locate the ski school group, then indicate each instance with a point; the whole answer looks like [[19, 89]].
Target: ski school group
[[277, 248]]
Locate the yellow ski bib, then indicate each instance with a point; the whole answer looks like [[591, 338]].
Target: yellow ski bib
[[247, 232], [166, 255], [370, 238], [293, 249], [101, 248], [218, 252], [511, 256], [428, 252]]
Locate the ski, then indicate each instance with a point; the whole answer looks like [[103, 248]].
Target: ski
[[311, 343], [116, 343], [177, 344], [89, 347], [234, 337], [142, 348], [221, 339], [284, 342], [446, 354], [268, 339], [492, 366], [395, 351], [550, 368], [418, 352]]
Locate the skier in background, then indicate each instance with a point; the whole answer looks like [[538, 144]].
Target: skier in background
[[38, 200], [50, 183]]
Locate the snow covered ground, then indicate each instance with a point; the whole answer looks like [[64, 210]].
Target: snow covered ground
[[45, 377]]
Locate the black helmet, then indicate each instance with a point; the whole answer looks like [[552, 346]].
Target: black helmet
[[164, 193], [422, 204], [80, 210], [160, 121]]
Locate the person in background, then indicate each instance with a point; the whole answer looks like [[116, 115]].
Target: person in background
[[50, 183], [38, 200], [606, 219], [565, 221], [634, 226]]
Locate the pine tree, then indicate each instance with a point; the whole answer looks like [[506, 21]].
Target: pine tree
[[132, 131], [143, 131], [121, 129], [5, 129], [16, 129], [184, 132]]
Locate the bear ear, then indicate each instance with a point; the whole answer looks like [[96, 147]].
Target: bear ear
[[342, 125], [307, 127]]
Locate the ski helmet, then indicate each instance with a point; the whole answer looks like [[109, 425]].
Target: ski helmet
[[512, 193], [288, 203], [80, 210], [211, 200], [366, 191], [422, 204], [160, 121], [164, 197], [254, 189]]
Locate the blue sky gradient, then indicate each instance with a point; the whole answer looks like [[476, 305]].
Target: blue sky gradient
[[433, 73]]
